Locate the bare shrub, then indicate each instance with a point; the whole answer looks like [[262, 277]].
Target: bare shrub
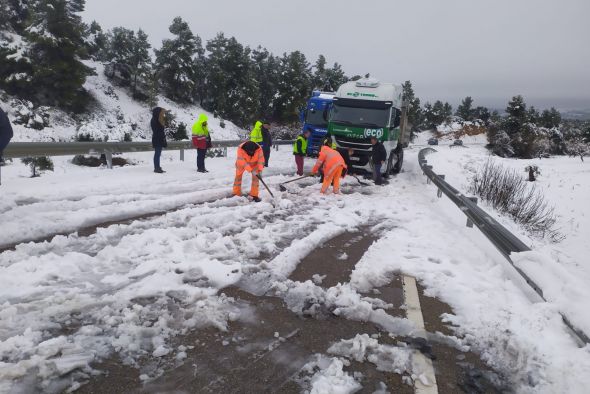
[[509, 193]]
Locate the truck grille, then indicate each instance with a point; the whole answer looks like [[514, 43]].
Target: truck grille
[[358, 144]]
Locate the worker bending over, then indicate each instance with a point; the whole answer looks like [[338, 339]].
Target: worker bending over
[[251, 159], [334, 168]]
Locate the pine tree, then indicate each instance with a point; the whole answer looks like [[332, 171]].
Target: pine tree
[[533, 115], [320, 78], [178, 63], [96, 41], [429, 116], [56, 46], [120, 42], [482, 113], [335, 77], [140, 62], [517, 115], [413, 102], [550, 118], [232, 87], [465, 110], [447, 112], [266, 69], [294, 87]]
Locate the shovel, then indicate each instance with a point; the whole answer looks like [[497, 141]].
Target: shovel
[[284, 189], [266, 187], [358, 180]]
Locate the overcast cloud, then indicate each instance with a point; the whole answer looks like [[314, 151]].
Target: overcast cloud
[[490, 50]]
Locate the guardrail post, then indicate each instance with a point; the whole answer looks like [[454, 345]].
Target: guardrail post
[[181, 154], [109, 156], [439, 192], [473, 200]]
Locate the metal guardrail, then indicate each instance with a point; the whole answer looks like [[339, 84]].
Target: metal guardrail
[[506, 242], [16, 150], [36, 149]]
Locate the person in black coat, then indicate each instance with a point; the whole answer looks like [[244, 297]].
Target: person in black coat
[[379, 157], [6, 133], [266, 142], [158, 124]]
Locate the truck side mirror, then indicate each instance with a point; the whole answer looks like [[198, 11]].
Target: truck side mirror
[[302, 116]]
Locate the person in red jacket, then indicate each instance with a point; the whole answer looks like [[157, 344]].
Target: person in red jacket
[[334, 168], [250, 159]]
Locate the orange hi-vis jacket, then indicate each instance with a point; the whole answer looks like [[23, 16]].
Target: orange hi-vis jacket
[[331, 160], [249, 163]]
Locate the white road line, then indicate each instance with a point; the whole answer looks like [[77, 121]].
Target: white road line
[[425, 382]]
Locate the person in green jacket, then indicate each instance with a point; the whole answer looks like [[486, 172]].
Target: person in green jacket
[[261, 135], [201, 141], [300, 150]]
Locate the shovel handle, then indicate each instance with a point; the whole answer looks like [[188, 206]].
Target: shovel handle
[[295, 180], [265, 186]]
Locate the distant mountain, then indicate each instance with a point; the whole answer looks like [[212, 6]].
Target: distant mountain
[[576, 114]]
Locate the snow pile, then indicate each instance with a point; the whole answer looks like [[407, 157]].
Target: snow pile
[[329, 376], [342, 300], [386, 358]]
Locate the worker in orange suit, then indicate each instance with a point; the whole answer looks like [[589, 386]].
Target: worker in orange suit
[[251, 159], [334, 168]]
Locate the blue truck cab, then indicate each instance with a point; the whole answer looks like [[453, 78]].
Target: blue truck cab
[[315, 116]]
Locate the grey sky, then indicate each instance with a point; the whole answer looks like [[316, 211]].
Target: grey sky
[[490, 50]]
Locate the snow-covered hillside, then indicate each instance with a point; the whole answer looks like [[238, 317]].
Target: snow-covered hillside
[[114, 115]]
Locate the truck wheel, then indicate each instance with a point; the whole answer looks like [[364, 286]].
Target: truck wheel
[[400, 161], [390, 163]]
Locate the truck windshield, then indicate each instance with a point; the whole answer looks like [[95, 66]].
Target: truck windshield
[[316, 118], [360, 116]]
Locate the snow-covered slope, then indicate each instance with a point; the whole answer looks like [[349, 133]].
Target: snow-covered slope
[[114, 114]]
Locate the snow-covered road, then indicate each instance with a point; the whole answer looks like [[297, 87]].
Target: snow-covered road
[[130, 287]]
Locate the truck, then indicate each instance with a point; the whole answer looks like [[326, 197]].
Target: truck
[[369, 108], [315, 117]]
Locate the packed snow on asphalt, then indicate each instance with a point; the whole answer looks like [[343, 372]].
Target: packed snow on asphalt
[[165, 244]]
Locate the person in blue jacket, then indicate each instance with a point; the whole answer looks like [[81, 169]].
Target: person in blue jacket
[[6, 132]]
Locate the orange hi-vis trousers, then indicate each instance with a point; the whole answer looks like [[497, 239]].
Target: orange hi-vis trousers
[[238, 183], [333, 178]]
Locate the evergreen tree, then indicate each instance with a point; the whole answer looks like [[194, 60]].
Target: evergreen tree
[[447, 112], [533, 115], [320, 78], [517, 115], [140, 61], [232, 87], [550, 118], [266, 69], [586, 134], [482, 113], [96, 41], [56, 46], [495, 116], [294, 86], [465, 110], [178, 63], [429, 116], [335, 77], [120, 42], [413, 102]]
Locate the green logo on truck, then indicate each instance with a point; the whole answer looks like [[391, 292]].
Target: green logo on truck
[[357, 94]]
